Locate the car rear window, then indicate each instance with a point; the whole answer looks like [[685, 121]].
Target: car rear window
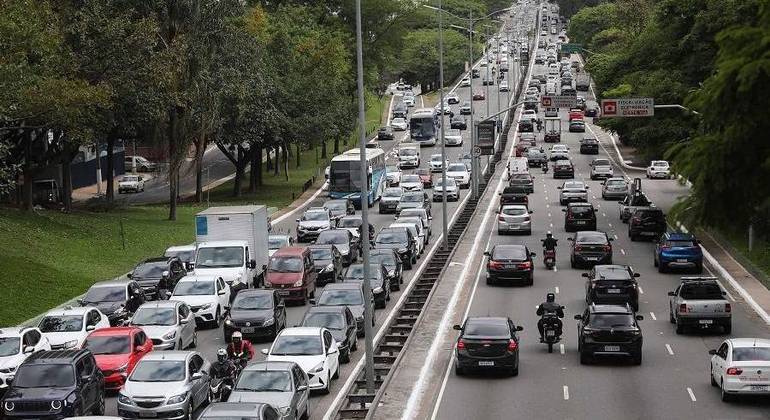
[[591, 237], [651, 214], [680, 244], [751, 354], [701, 291], [486, 328], [581, 210], [509, 253]]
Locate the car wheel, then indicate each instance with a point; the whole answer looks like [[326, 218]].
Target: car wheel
[[215, 323], [728, 328], [179, 345], [679, 327], [194, 342], [312, 294], [699, 269], [99, 406], [671, 317], [638, 358], [337, 372], [414, 259], [584, 358], [325, 389], [711, 376], [661, 267], [572, 263], [725, 396], [345, 358], [354, 346], [655, 261], [459, 371]]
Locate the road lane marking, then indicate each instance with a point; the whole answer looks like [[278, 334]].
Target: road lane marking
[[556, 289], [609, 224], [692, 396], [616, 237], [604, 214], [566, 392], [551, 224], [598, 206], [561, 348], [594, 197], [554, 269], [549, 214], [641, 290], [547, 206], [652, 315], [622, 251], [671, 352]]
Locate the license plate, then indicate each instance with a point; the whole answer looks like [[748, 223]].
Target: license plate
[[681, 260], [486, 363], [248, 330], [510, 266], [611, 348], [648, 233], [760, 388], [592, 258], [511, 226], [613, 290], [580, 222], [147, 415], [283, 292], [706, 321], [550, 333]]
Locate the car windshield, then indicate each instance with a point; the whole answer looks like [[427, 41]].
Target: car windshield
[[341, 297], [154, 316], [321, 253], [63, 323], [182, 255], [660, 164], [391, 169], [611, 320], [357, 271], [194, 288], [9, 346], [515, 211], [407, 152], [131, 178], [150, 269], [105, 294], [410, 179], [276, 242], [350, 223], [751, 354], [385, 259], [591, 237], [412, 198], [286, 264], [297, 345], [517, 253], [330, 320], [332, 237], [486, 329], [601, 162], [573, 186], [336, 206], [392, 192], [398, 121], [116, 344], [456, 167], [220, 257], [315, 216], [264, 381], [245, 301], [700, 291], [44, 376], [391, 237], [159, 371], [449, 182]]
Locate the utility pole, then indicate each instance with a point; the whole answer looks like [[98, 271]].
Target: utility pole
[[368, 331], [444, 217], [474, 159]]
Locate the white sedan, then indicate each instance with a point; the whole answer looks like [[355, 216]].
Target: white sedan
[[399, 124], [436, 163], [741, 366], [207, 296], [465, 82], [659, 169], [313, 349]]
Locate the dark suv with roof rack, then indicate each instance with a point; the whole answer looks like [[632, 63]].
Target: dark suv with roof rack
[[612, 284], [54, 385], [609, 330]]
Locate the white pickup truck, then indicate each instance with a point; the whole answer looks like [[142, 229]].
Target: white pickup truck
[[699, 302]]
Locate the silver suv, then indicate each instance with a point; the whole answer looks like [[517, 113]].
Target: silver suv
[[169, 384]]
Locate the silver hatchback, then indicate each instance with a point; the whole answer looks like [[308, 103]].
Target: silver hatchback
[[514, 218], [169, 385], [614, 188]]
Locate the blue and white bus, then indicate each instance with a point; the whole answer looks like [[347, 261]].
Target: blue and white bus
[[424, 126], [345, 175]]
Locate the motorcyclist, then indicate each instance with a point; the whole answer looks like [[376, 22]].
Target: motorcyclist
[[549, 307], [549, 243], [240, 350], [224, 369], [539, 125]]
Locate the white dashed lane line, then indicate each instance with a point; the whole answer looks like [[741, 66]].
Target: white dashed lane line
[[669, 350], [692, 395], [622, 251], [561, 348], [566, 392], [652, 315]]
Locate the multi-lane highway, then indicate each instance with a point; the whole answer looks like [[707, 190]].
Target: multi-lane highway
[[673, 380], [209, 340]]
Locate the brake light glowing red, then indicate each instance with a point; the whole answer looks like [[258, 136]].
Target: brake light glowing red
[[526, 265], [501, 218], [607, 248], [460, 345], [578, 248], [495, 265], [682, 308], [734, 371], [512, 345], [635, 220], [728, 307]]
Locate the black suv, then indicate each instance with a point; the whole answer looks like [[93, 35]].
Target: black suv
[[589, 146], [609, 330], [612, 284], [402, 241], [149, 272], [579, 216], [54, 385], [649, 222]]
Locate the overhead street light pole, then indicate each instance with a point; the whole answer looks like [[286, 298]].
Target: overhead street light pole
[[444, 217], [368, 300]]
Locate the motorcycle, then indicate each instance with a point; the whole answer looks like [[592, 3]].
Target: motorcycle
[[220, 389], [551, 330], [549, 258], [240, 360]]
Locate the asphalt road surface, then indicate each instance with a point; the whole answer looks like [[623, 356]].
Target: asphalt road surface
[[210, 340], [672, 381]]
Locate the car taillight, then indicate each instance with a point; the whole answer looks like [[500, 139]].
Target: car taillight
[[635, 220], [569, 216], [682, 308], [526, 265], [512, 345], [527, 219], [495, 265], [728, 307], [607, 248], [501, 218], [460, 345], [578, 248], [734, 371], [665, 247]]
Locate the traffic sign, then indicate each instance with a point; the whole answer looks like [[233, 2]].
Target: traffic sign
[[571, 48], [476, 151], [485, 137], [559, 101], [628, 107]]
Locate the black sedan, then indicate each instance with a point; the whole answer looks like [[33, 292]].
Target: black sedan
[[340, 321], [118, 299], [609, 330], [526, 126], [563, 168], [385, 133], [389, 258], [487, 343], [328, 262], [589, 146], [149, 273], [510, 263], [256, 313], [400, 240], [588, 248]]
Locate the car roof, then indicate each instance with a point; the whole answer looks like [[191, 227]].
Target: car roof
[[223, 243], [69, 310], [749, 342], [487, 319], [301, 331], [112, 282], [330, 309], [49, 356], [609, 309], [255, 292], [343, 286], [156, 259], [290, 251], [279, 235], [197, 277], [178, 355], [272, 364]]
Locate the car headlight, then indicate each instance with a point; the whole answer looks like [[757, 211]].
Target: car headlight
[[228, 321], [269, 322], [122, 368], [124, 399], [319, 367], [120, 311], [56, 405], [9, 406], [70, 344], [329, 267], [8, 369], [176, 399], [169, 335], [298, 283], [377, 289], [284, 410], [205, 306]]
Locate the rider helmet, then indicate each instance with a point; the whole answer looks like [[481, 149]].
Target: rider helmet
[[550, 297], [221, 355]]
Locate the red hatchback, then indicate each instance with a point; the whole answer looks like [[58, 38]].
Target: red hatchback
[[117, 351]]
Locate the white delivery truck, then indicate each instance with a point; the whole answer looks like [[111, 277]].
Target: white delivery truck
[[231, 242]]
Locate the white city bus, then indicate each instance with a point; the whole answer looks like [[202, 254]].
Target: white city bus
[[345, 175], [424, 125]]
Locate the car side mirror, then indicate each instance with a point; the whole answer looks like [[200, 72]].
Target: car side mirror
[[487, 253], [264, 351], [253, 264], [333, 350], [585, 275], [532, 254], [712, 352], [140, 349], [301, 388], [564, 210], [671, 293], [457, 327], [221, 292], [637, 274], [29, 349], [197, 375], [499, 193], [519, 328], [558, 188], [312, 301], [640, 317], [724, 293], [90, 327], [129, 275], [570, 239], [611, 239], [281, 305], [530, 212], [184, 321], [296, 220], [578, 317]]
